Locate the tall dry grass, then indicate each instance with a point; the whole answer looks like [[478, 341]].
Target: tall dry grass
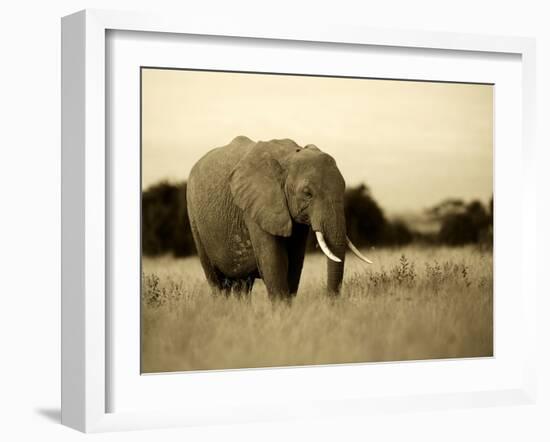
[[413, 303]]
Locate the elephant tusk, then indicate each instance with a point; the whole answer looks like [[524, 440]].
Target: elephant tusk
[[324, 247], [357, 252]]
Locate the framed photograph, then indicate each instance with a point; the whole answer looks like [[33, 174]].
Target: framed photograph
[[265, 224]]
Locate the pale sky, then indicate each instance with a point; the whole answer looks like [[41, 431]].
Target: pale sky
[[412, 143]]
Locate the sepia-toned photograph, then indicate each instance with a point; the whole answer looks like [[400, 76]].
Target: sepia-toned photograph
[[291, 220]]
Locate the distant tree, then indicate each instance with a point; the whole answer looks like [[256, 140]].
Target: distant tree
[[398, 233], [447, 207], [165, 224], [458, 229], [365, 221], [463, 223]]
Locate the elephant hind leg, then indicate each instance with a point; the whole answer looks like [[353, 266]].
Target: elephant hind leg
[[296, 247]]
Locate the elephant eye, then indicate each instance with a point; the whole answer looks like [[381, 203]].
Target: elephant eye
[[307, 192]]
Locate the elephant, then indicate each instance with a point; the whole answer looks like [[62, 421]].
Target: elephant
[[251, 206]]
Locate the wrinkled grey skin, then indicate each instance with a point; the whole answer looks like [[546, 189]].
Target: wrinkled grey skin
[[251, 205]]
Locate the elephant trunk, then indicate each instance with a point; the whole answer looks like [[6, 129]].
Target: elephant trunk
[[333, 241], [335, 270]]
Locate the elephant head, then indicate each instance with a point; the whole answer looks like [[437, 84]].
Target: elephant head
[[278, 182]]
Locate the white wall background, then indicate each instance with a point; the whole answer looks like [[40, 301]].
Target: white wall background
[[30, 215]]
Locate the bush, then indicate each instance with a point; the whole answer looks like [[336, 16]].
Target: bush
[[165, 224], [367, 224], [463, 223]]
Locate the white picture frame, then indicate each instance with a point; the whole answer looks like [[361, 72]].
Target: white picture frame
[[86, 202]]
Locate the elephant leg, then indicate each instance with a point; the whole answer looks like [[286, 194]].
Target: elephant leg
[[296, 247], [272, 258]]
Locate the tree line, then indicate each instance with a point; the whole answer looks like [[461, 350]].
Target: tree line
[[165, 224]]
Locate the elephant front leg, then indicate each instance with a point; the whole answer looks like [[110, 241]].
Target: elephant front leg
[[272, 259], [296, 247]]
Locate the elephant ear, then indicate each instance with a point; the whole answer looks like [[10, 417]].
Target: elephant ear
[[257, 187]]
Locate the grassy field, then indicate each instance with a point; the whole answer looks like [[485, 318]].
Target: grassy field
[[413, 303]]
